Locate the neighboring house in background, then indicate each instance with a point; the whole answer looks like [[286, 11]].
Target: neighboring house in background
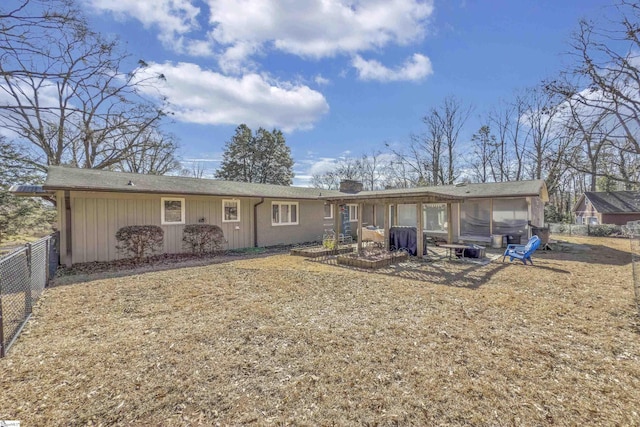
[[607, 207], [93, 204]]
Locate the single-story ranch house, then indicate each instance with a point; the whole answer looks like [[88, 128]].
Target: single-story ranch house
[[93, 204], [607, 207]]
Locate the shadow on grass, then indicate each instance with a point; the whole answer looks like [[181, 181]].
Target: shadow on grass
[[595, 254], [91, 271], [440, 270]]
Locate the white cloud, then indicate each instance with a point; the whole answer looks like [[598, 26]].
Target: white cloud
[[416, 68], [321, 81], [206, 97], [319, 28], [234, 60], [322, 165], [240, 29], [172, 17]]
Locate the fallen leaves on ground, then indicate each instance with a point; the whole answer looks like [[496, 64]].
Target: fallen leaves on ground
[[281, 340]]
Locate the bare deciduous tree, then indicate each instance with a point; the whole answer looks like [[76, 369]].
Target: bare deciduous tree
[[431, 158], [372, 170], [452, 114], [346, 168], [606, 63], [484, 153], [155, 155], [505, 120], [63, 93]]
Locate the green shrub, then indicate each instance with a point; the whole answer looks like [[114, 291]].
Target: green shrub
[[203, 238], [329, 244], [139, 240], [603, 230]]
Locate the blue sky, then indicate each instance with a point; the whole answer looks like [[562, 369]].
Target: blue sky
[[339, 77]]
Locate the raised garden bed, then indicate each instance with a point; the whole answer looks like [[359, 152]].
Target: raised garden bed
[[320, 251], [372, 260]]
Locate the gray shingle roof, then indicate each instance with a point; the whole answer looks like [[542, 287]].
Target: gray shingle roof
[[615, 201], [64, 178], [466, 191]]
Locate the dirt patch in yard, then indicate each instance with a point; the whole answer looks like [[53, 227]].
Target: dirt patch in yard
[[282, 340]]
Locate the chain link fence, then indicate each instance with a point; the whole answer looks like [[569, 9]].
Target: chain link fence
[[633, 228], [600, 230], [24, 274]]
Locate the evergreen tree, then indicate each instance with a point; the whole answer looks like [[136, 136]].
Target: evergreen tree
[[263, 157]]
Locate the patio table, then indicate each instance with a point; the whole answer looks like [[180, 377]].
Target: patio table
[[453, 246]]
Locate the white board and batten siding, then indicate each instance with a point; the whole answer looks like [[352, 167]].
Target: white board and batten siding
[[96, 217]]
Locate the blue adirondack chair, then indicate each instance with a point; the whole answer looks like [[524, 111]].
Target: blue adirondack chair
[[522, 252]]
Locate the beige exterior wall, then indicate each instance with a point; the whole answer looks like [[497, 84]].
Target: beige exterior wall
[[96, 217], [310, 225], [368, 217]]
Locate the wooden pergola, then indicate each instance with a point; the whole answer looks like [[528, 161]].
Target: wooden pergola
[[390, 198]]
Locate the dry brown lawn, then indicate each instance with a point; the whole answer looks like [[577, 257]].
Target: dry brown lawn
[[281, 340]]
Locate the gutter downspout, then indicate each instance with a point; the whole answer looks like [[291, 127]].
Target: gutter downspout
[[68, 237], [255, 222]]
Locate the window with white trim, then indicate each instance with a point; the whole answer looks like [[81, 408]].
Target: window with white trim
[[328, 211], [353, 212], [171, 210], [284, 213], [230, 210]]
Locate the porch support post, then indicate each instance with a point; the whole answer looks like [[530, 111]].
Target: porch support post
[[375, 220], [337, 223], [359, 231], [530, 215], [386, 226], [419, 237], [449, 224], [491, 220], [395, 214]]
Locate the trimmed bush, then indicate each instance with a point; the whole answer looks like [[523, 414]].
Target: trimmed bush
[[203, 238], [138, 241], [604, 230]]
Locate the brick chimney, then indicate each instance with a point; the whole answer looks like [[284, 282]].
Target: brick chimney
[[350, 186]]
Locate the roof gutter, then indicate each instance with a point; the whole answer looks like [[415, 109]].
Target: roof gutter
[[255, 222], [138, 190]]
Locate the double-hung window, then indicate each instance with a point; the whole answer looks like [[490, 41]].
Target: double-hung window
[[231, 210], [284, 213], [171, 210], [353, 212], [328, 211]]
